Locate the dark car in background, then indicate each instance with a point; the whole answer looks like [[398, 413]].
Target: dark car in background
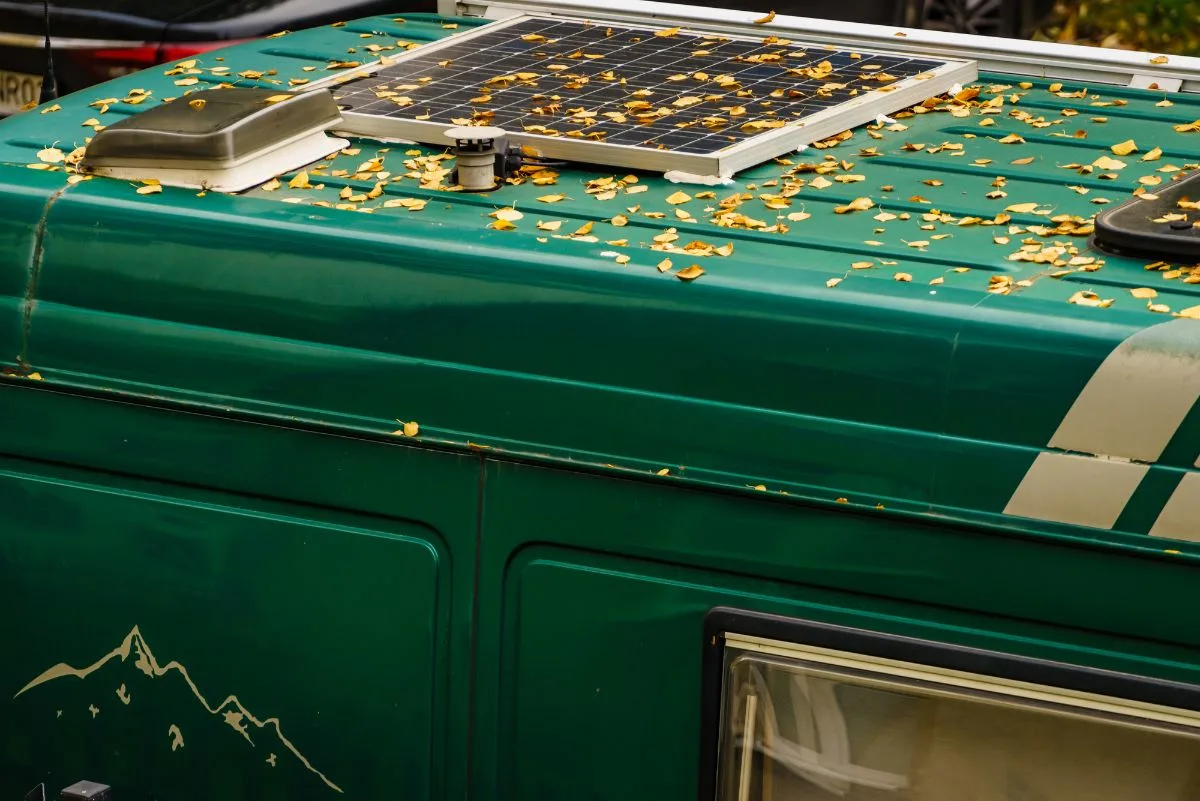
[[95, 40]]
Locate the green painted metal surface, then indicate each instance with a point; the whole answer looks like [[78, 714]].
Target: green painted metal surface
[[202, 392]]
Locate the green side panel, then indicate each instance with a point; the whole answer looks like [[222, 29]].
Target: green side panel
[[293, 630], [26, 199], [596, 591]]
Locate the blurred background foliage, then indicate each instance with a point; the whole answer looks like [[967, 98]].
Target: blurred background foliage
[[1162, 26]]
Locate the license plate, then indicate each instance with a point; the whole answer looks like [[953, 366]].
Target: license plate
[[18, 90]]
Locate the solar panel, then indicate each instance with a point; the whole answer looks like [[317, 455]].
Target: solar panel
[[637, 97]]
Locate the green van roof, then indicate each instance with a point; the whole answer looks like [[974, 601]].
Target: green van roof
[[905, 321]]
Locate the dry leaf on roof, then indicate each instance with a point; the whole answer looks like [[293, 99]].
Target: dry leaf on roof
[[832, 282], [1021, 208], [798, 216], [1159, 60], [1086, 297], [770, 17], [666, 33], [507, 214], [1192, 312], [502, 225], [902, 277], [862, 265], [1153, 155], [619, 220], [51, 155], [678, 197], [690, 273], [409, 429], [1011, 139], [1124, 148], [149, 189], [858, 204], [1143, 293], [552, 225], [552, 198], [664, 265], [300, 181]]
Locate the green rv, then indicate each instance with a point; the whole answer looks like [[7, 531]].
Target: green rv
[[544, 401]]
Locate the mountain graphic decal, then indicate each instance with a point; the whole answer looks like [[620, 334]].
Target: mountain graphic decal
[[230, 711]]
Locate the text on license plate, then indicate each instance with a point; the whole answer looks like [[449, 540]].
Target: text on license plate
[[18, 89]]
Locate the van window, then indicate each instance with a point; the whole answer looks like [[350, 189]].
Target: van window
[[803, 724]]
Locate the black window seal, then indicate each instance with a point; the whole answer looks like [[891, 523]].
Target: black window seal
[[724, 620]]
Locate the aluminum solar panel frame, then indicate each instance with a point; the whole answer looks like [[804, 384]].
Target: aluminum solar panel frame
[[792, 94], [1048, 60]]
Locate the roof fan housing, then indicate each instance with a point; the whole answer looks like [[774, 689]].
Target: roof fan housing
[[224, 140]]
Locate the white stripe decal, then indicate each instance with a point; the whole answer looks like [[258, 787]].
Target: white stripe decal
[[1180, 518], [1119, 425], [1064, 488], [1137, 399]]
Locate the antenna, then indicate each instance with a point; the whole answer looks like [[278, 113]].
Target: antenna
[[49, 85]]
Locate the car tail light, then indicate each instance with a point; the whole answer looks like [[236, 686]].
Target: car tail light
[[114, 62]]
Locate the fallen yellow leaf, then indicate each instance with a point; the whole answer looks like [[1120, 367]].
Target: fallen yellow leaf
[[1143, 293], [858, 204], [300, 181], [695, 271], [1124, 148], [507, 214], [51, 155], [832, 282], [903, 277], [1153, 155], [1192, 313], [552, 198], [1106, 163], [664, 265], [1087, 298], [678, 197], [149, 189], [770, 17], [410, 429]]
